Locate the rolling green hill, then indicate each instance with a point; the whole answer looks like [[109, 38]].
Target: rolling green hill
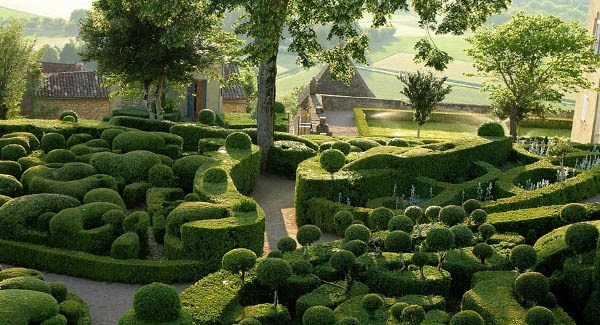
[[6, 13]]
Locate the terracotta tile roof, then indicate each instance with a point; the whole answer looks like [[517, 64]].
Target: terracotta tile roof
[[74, 85], [232, 92], [50, 67]]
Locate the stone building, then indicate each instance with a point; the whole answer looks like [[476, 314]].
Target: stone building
[[586, 120], [80, 91]]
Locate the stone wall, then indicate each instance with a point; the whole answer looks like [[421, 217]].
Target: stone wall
[[91, 109], [234, 106]]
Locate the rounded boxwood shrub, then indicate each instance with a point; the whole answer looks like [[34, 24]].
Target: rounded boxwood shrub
[[109, 135], [471, 205], [161, 176], [349, 321], [104, 195], [397, 142], [69, 119], [359, 232], [402, 223], [239, 260], [379, 218], [71, 309], [523, 257], [342, 146], [301, 267], [157, 302], [250, 321], [478, 217], [486, 231], [279, 107], [420, 259], [273, 272], [415, 213], [332, 160], [238, 141], [245, 204], [10, 168], [549, 301], [78, 138], [371, 302], [342, 260], [483, 251], [581, 237], [432, 213], [452, 215], [573, 212], [357, 247], [308, 234], [467, 317], [97, 143], [51, 141], [191, 197], [398, 241], [363, 144], [286, 244], [206, 116], [13, 152], [490, 129], [463, 236], [318, 315], [413, 315], [138, 140], [210, 144], [10, 186], [539, 315], [127, 246], [66, 113], [532, 286], [275, 254], [60, 156], [342, 219], [215, 175], [397, 309]]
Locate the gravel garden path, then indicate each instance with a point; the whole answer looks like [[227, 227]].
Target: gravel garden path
[[341, 122], [108, 301]]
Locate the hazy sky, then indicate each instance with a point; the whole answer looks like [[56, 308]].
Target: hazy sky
[[50, 8]]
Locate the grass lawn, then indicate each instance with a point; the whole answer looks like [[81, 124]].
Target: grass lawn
[[442, 125]]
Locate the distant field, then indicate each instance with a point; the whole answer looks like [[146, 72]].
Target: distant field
[[52, 41], [10, 13]]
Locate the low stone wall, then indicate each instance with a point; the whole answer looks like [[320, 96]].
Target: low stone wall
[[91, 109]]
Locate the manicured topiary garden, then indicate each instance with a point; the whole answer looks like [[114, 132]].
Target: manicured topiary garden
[[470, 231]]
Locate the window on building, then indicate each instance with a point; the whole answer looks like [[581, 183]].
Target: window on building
[[584, 107]]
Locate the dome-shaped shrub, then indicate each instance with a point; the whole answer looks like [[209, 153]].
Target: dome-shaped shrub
[[478, 217], [432, 213], [357, 247], [397, 142], [191, 197], [471, 205], [275, 254], [157, 302], [581, 237], [413, 315], [467, 317], [286, 244], [342, 260], [532, 286], [13, 152], [539, 315], [308, 234], [162, 176], [440, 239], [490, 129], [342, 219], [371, 302], [452, 215], [104, 195], [398, 241], [332, 160], [342, 146], [415, 213], [318, 315], [69, 119], [60, 156], [549, 301], [109, 135], [66, 113], [402, 223], [301, 267], [349, 321], [483, 251], [486, 231], [523, 257], [250, 321], [379, 218], [573, 212], [420, 259], [358, 231], [215, 175], [239, 260], [238, 141], [273, 272], [206, 116], [397, 309], [463, 236]]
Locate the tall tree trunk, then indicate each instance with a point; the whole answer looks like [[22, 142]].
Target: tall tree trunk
[[160, 86], [513, 122], [418, 131], [265, 111]]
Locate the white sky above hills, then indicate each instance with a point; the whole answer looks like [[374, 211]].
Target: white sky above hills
[[50, 8]]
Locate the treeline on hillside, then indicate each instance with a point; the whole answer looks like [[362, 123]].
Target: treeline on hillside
[[566, 10], [51, 27]]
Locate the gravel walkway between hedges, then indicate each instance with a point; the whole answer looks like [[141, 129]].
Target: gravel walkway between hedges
[[275, 194], [108, 301]]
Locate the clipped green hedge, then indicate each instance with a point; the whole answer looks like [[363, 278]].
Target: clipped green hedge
[[126, 168], [285, 156], [142, 124]]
